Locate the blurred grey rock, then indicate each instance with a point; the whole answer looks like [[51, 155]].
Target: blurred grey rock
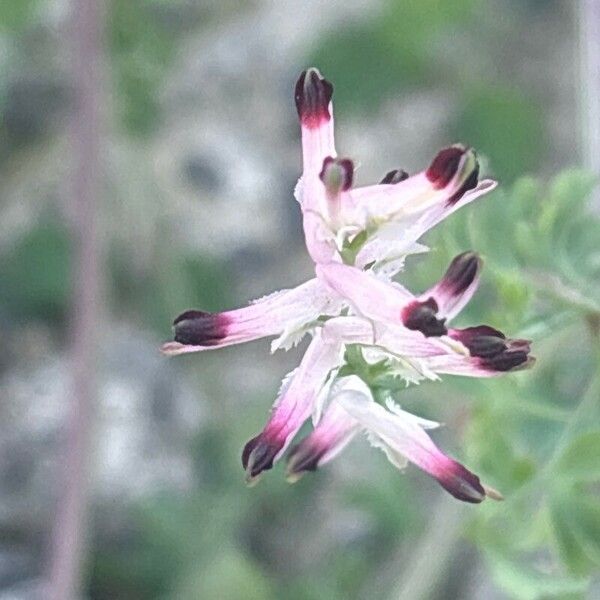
[[144, 421]]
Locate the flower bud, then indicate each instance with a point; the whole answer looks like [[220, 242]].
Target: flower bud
[[312, 95]]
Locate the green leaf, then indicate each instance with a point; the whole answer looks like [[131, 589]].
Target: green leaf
[[230, 576], [525, 583], [576, 524], [504, 124], [581, 459], [569, 546], [15, 15], [35, 275]]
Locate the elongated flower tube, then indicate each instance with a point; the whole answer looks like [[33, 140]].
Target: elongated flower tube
[[313, 102], [277, 314], [452, 293], [480, 351], [294, 405], [383, 301], [358, 238], [334, 431], [402, 437]]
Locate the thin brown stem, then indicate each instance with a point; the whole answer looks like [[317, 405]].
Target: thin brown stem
[[68, 541]]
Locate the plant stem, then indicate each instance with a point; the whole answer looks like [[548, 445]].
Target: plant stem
[[589, 41], [431, 558], [69, 535]]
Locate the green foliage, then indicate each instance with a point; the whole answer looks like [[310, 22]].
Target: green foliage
[[579, 461], [142, 45], [371, 61], [540, 245], [524, 583], [35, 275], [16, 14], [576, 524], [504, 125], [229, 576], [530, 434]]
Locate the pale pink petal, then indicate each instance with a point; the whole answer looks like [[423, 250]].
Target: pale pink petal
[[369, 296], [432, 217], [318, 236], [429, 313], [395, 239], [197, 330], [382, 300], [404, 437], [452, 173], [332, 434], [467, 366], [387, 257], [293, 407], [402, 342], [457, 286], [393, 339]]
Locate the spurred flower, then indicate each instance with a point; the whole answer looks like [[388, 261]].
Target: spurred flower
[[358, 239], [294, 405]]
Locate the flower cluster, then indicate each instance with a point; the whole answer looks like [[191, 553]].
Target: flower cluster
[[358, 239]]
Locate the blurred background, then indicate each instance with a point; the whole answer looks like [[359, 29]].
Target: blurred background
[[148, 154]]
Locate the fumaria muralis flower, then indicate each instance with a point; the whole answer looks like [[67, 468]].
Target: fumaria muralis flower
[[358, 239]]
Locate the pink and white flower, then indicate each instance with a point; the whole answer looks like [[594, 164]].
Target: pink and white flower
[[358, 238]]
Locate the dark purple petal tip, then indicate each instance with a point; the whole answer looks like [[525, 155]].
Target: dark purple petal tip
[[461, 273], [395, 176], [199, 328], [303, 457], [312, 95], [461, 483], [510, 358], [259, 454], [445, 166], [470, 182], [337, 174], [495, 352], [422, 316], [450, 162]]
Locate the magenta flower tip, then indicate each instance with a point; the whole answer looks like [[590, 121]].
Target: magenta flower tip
[[313, 94], [509, 359]]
